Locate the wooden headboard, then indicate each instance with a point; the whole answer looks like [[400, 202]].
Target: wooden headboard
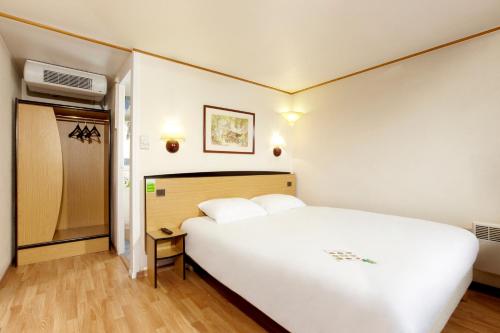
[[173, 198]]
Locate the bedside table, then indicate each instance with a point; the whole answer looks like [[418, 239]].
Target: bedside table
[[160, 246]]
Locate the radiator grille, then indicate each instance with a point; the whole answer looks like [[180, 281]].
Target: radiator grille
[[495, 234], [487, 233], [67, 80]]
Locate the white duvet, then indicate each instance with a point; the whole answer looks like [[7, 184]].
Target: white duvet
[[280, 264]]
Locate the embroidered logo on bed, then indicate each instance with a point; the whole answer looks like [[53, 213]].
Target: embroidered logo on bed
[[347, 255]]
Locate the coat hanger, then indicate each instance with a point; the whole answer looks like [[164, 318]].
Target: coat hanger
[[94, 132], [76, 132], [84, 133]]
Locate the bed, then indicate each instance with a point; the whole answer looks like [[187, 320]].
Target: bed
[[404, 275], [283, 265]]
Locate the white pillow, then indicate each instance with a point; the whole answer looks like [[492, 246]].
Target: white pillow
[[275, 203], [231, 209]]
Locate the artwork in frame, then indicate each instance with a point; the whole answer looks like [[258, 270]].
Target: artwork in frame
[[228, 131]]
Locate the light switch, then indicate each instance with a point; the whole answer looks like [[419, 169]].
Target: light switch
[[144, 142]]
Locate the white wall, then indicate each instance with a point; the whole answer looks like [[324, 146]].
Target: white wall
[[164, 91], [9, 89], [420, 138]]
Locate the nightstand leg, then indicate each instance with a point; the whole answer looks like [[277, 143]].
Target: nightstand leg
[[183, 268], [179, 266], [151, 252], [183, 256]]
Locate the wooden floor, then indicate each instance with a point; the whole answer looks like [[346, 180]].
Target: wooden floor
[[92, 293], [478, 312]]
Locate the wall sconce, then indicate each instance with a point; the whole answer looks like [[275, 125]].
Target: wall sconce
[[292, 116], [172, 145], [278, 143], [172, 134]]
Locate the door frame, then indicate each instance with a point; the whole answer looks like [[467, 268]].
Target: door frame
[[118, 221]]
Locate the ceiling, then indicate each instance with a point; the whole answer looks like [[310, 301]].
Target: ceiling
[[288, 44]]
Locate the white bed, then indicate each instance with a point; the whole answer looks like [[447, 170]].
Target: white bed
[[279, 263]]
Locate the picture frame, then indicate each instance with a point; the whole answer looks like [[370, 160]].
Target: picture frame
[[228, 131]]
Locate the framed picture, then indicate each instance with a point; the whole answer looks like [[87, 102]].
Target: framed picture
[[228, 131]]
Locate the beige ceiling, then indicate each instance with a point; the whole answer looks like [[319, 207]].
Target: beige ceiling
[[289, 44]]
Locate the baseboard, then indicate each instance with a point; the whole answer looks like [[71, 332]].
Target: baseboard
[[486, 278], [485, 289]]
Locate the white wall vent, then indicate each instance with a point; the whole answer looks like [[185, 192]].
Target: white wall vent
[[67, 79], [63, 81], [488, 259], [487, 232]]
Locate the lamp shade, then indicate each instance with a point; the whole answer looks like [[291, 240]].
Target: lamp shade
[[292, 116], [277, 140], [172, 131]]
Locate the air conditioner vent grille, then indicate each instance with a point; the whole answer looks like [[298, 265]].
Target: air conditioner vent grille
[[495, 234], [487, 233], [67, 80]]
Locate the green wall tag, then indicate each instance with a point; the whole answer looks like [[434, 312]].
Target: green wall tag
[[150, 185]]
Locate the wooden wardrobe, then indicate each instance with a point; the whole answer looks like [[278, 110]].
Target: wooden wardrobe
[[62, 182]]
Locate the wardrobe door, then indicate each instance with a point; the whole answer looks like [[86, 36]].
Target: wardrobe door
[[39, 174]]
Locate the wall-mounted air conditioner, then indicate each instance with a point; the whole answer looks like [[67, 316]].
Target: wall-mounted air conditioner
[[488, 235], [63, 81]]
